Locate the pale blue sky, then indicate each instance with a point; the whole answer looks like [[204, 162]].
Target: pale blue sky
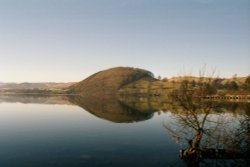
[[68, 40]]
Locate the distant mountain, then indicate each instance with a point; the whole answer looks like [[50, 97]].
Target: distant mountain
[[109, 81], [27, 85]]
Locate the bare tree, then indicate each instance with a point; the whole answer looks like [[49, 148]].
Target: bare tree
[[196, 126]]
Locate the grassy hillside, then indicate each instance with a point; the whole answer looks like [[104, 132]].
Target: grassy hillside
[[139, 82], [164, 87], [223, 81], [109, 81], [148, 87]]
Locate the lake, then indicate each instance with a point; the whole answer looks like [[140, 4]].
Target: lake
[[74, 131]]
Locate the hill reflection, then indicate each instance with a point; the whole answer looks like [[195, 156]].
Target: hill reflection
[[111, 109], [104, 107]]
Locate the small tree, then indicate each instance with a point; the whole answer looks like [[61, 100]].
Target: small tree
[[247, 83], [234, 85], [231, 85], [217, 83], [165, 79]]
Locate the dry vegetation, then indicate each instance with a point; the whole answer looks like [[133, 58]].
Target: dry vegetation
[[108, 82]]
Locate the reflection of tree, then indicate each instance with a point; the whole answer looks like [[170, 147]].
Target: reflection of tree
[[207, 134], [205, 131]]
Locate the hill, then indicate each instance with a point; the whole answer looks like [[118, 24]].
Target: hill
[[28, 85], [164, 87], [109, 81]]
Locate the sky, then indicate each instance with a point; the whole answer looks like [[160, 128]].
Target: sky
[[68, 40]]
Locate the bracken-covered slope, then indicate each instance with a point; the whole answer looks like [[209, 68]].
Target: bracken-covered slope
[[109, 81]]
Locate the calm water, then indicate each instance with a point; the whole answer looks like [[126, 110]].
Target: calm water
[[61, 131]]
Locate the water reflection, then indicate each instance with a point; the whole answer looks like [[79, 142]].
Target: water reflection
[[111, 109], [34, 98], [104, 107], [208, 133]]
